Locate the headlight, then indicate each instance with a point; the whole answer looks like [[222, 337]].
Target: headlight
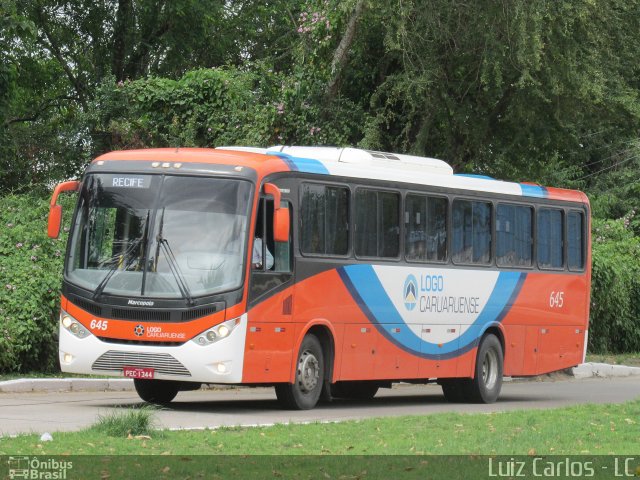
[[73, 326], [217, 333]]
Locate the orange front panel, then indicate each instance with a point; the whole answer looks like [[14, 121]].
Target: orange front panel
[[268, 354]]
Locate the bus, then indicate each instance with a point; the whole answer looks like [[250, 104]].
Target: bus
[[324, 272]]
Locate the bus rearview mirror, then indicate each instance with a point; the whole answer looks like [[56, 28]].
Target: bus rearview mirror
[[281, 220], [55, 218], [281, 224], [55, 210]]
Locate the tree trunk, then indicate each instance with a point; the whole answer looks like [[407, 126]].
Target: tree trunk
[[341, 55], [119, 38]]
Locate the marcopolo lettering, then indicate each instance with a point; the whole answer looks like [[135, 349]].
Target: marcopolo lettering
[[141, 303]]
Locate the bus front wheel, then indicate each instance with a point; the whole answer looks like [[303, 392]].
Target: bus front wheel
[[159, 392], [304, 393]]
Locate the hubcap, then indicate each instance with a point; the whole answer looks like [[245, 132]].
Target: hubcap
[[490, 369], [308, 371]]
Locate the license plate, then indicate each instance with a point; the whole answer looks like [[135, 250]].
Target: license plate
[[135, 372]]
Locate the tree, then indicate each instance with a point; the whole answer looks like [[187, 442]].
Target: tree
[[523, 90]]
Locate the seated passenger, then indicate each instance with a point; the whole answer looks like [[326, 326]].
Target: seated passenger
[[257, 255]]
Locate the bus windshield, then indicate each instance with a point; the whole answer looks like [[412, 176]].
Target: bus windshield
[[159, 236]]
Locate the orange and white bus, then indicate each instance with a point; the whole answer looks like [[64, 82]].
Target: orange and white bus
[[321, 271]]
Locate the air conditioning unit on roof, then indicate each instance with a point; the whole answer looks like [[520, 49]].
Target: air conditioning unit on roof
[[370, 158]]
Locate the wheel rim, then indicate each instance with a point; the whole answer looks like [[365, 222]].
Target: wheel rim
[[308, 371], [490, 369]]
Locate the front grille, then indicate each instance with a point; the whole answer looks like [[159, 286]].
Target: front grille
[[87, 305], [164, 363], [199, 312], [141, 314]]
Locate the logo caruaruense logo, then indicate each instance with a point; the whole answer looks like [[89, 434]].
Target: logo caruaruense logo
[[410, 292], [139, 330]]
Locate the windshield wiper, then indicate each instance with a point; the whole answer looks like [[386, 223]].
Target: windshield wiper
[[173, 263], [128, 260]]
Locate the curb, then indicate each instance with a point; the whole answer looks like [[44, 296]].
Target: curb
[[30, 385], [34, 385], [603, 370]]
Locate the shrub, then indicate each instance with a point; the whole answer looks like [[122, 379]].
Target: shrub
[[615, 311], [30, 279]]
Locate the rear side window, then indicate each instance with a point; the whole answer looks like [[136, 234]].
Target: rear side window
[[426, 228], [377, 223], [514, 229], [325, 219], [471, 239], [550, 238], [575, 240]]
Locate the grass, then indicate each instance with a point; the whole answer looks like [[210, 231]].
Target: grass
[[628, 359], [583, 429], [126, 422]]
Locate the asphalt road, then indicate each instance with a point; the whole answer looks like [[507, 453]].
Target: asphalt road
[[50, 412]]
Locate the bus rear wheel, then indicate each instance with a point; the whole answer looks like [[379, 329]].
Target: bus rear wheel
[[486, 385], [355, 390], [304, 393], [159, 392]]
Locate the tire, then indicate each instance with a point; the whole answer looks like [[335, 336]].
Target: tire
[[486, 385], [354, 390], [160, 392], [305, 392]]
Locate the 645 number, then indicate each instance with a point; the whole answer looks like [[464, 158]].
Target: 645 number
[[99, 324], [556, 299]]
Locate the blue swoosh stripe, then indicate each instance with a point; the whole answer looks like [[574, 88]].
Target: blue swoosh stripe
[[367, 290], [534, 191], [299, 164]]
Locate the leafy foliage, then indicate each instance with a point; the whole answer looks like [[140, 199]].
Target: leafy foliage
[[210, 107], [615, 311], [30, 268]]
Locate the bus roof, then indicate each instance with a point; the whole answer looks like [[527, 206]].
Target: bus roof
[[344, 162]]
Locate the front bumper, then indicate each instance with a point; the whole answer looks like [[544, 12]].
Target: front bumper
[[219, 362]]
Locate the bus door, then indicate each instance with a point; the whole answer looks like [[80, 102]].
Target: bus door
[[270, 334]]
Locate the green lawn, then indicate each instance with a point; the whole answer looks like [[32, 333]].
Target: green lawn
[[584, 429], [629, 359]]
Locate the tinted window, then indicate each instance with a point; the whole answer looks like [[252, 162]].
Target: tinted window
[[549, 238], [575, 242], [471, 241], [325, 219], [377, 231], [514, 243], [426, 228]]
